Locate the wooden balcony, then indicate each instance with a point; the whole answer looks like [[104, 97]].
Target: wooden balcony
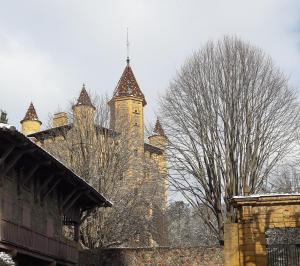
[[19, 236]]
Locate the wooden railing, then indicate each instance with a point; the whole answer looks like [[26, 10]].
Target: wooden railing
[[20, 236]]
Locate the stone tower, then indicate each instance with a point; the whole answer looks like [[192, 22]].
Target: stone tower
[[127, 117], [158, 139], [30, 123], [84, 110], [127, 104]]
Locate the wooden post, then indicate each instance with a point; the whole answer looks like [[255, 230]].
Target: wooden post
[[76, 232]]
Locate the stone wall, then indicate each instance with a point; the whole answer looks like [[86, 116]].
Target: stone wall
[[162, 256], [245, 241]]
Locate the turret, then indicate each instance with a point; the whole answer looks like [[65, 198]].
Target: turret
[[158, 138], [84, 110], [30, 123], [127, 107]]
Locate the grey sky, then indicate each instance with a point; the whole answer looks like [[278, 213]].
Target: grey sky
[[48, 48]]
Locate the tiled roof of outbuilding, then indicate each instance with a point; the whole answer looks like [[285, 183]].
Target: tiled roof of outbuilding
[[128, 86]]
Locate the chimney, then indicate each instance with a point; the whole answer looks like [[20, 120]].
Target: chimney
[[60, 119]]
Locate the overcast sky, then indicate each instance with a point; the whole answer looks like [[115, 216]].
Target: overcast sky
[[48, 48]]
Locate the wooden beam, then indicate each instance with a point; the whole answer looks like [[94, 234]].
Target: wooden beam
[[74, 191], [20, 177], [48, 180], [50, 189], [1, 176], [30, 174], [76, 232], [70, 205], [12, 163], [34, 169], [6, 154]]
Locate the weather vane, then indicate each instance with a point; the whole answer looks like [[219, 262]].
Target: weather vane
[[127, 45]]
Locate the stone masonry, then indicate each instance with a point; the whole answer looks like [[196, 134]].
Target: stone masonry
[[163, 256], [245, 241]]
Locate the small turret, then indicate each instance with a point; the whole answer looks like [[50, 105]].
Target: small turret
[[84, 110], [158, 138], [30, 123]]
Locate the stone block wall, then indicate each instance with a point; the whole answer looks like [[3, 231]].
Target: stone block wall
[[162, 256], [245, 241]]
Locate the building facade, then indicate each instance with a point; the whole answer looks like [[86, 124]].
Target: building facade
[[38, 197], [145, 171]]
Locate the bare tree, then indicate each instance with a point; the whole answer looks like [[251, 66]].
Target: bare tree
[[230, 116], [184, 227], [101, 157], [286, 179]]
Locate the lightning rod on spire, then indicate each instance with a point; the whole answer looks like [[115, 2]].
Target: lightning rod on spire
[[127, 45]]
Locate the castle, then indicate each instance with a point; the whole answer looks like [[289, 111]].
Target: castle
[[145, 163]]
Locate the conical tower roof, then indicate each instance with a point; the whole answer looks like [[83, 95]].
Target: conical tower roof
[[158, 130], [128, 86], [31, 114], [84, 98]]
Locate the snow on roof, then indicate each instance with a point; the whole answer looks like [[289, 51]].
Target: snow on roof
[[7, 126], [266, 195]]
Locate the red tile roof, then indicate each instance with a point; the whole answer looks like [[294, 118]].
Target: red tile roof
[[84, 98], [31, 114], [128, 86]]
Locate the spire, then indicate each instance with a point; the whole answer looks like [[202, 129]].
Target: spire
[[128, 86], [158, 130], [31, 114], [127, 45], [84, 98]]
